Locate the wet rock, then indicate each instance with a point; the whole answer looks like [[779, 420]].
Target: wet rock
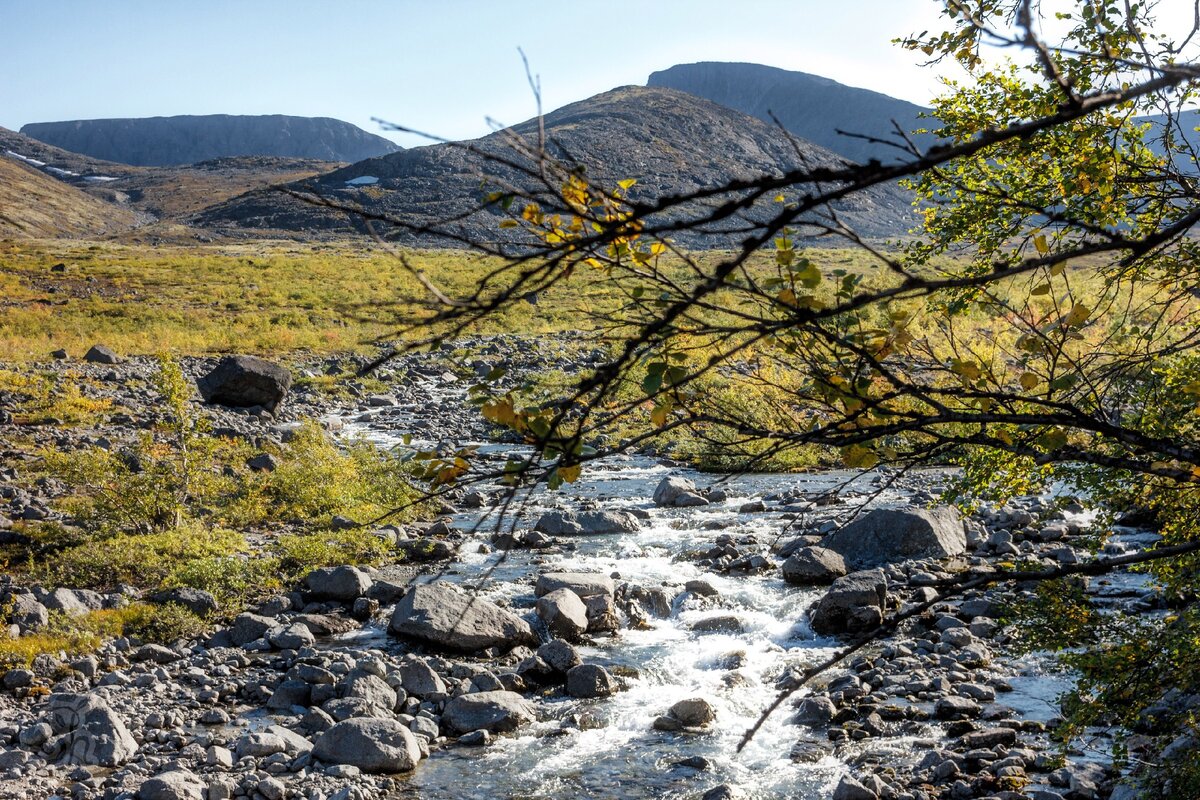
[[813, 566], [721, 623], [586, 523], [584, 584], [694, 712], [564, 613], [890, 535], [814, 711], [853, 603], [678, 492], [495, 712], [99, 354], [90, 732], [372, 745], [445, 617], [344, 583], [244, 382], [590, 680], [559, 655]]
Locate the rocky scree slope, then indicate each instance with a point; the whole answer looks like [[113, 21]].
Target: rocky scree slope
[[169, 141], [669, 141]]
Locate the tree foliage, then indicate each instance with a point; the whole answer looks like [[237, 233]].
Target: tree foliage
[[1040, 327]]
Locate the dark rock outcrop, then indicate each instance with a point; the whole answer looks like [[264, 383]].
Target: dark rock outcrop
[[244, 382]]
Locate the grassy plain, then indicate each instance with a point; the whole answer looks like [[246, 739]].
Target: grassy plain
[[266, 298]]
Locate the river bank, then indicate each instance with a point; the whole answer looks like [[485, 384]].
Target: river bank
[[675, 630]]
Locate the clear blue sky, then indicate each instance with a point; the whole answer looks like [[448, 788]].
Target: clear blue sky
[[442, 67]]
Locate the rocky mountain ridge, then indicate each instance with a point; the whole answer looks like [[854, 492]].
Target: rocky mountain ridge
[[815, 108], [172, 141]]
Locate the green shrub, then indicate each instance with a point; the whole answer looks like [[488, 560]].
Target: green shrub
[[145, 561], [297, 555], [317, 480]]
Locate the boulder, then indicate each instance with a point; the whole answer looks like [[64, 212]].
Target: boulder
[[564, 613], [695, 712], [890, 535], [584, 584], [559, 655], [586, 523], [372, 745], [27, 612], [248, 628], [813, 566], [495, 712], [418, 678], [99, 354], [344, 583], [443, 616], [590, 680], [197, 601], [91, 733], [853, 603], [673, 491], [245, 381], [175, 784]]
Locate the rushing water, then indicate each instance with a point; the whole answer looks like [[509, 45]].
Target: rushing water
[[616, 753]]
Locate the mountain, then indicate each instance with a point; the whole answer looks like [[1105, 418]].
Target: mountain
[[36, 205], [669, 141], [170, 141], [148, 195], [809, 106]]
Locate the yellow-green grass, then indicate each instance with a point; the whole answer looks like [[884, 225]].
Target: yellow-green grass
[[265, 297]]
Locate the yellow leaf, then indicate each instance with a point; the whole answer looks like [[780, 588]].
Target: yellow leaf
[[658, 415], [627, 184], [1039, 242], [1029, 381], [509, 223], [787, 297], [1040, 290], [1078, 315], [570, 474]]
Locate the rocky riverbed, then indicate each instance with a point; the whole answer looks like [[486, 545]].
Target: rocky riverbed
[[611, 640]]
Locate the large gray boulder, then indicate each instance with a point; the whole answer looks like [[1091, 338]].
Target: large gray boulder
[[445, 617], [853, 603], [586, 523], [372, 745], [174, 784], [495, 712], [245, 381], [91, 733], [343, 583], [99, 354], [584, 584], [673, 491], [27, 612], [813, 566], [564, 613], [888, 535]]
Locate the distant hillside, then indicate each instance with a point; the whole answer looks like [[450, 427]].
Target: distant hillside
[[669, 141], [35, 205], [171, 141], [811, 107]]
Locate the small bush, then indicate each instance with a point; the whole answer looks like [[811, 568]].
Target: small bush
[[68, 636], [317, 480], [146, 561], [300, 554]]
